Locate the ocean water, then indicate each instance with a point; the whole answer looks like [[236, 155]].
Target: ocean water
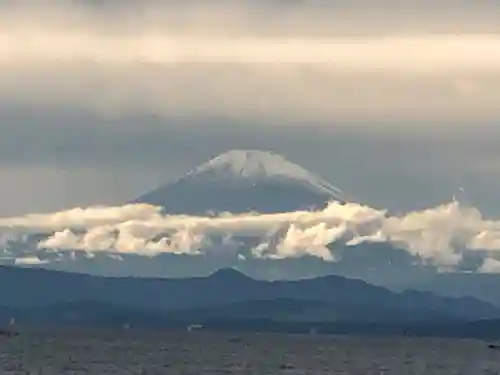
[[195, 353]]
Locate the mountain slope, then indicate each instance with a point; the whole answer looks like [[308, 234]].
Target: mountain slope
[[341, 297], [242, 181]]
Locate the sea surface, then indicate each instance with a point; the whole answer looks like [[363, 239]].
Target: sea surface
[[203, 352]]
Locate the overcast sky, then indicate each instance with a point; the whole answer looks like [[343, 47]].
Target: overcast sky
[[395, 102]]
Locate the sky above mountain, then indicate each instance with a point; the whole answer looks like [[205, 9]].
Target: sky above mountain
[[395, 102]]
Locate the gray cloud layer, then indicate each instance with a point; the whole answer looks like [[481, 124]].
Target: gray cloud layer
[[232, 61]]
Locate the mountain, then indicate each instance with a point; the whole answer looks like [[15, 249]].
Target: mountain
[[481, 286], [241, 181], [378, 264], [229, 294]]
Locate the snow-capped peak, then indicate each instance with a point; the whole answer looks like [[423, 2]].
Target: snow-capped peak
[[258, 165]]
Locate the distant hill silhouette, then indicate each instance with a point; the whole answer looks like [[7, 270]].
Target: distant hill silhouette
[[44, 297]]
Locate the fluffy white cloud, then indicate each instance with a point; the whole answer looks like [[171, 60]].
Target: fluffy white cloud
[[490, 265], [439, 236]]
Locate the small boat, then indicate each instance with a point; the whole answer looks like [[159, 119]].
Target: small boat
[[9, 331], [194, 327]]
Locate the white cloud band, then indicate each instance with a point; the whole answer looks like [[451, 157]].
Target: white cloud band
[[439, 236]]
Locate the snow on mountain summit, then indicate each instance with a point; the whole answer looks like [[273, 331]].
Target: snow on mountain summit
[[251, 164], [241, 181], [257, 165]]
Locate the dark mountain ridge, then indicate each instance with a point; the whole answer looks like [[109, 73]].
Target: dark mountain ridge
[[231, 292]]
